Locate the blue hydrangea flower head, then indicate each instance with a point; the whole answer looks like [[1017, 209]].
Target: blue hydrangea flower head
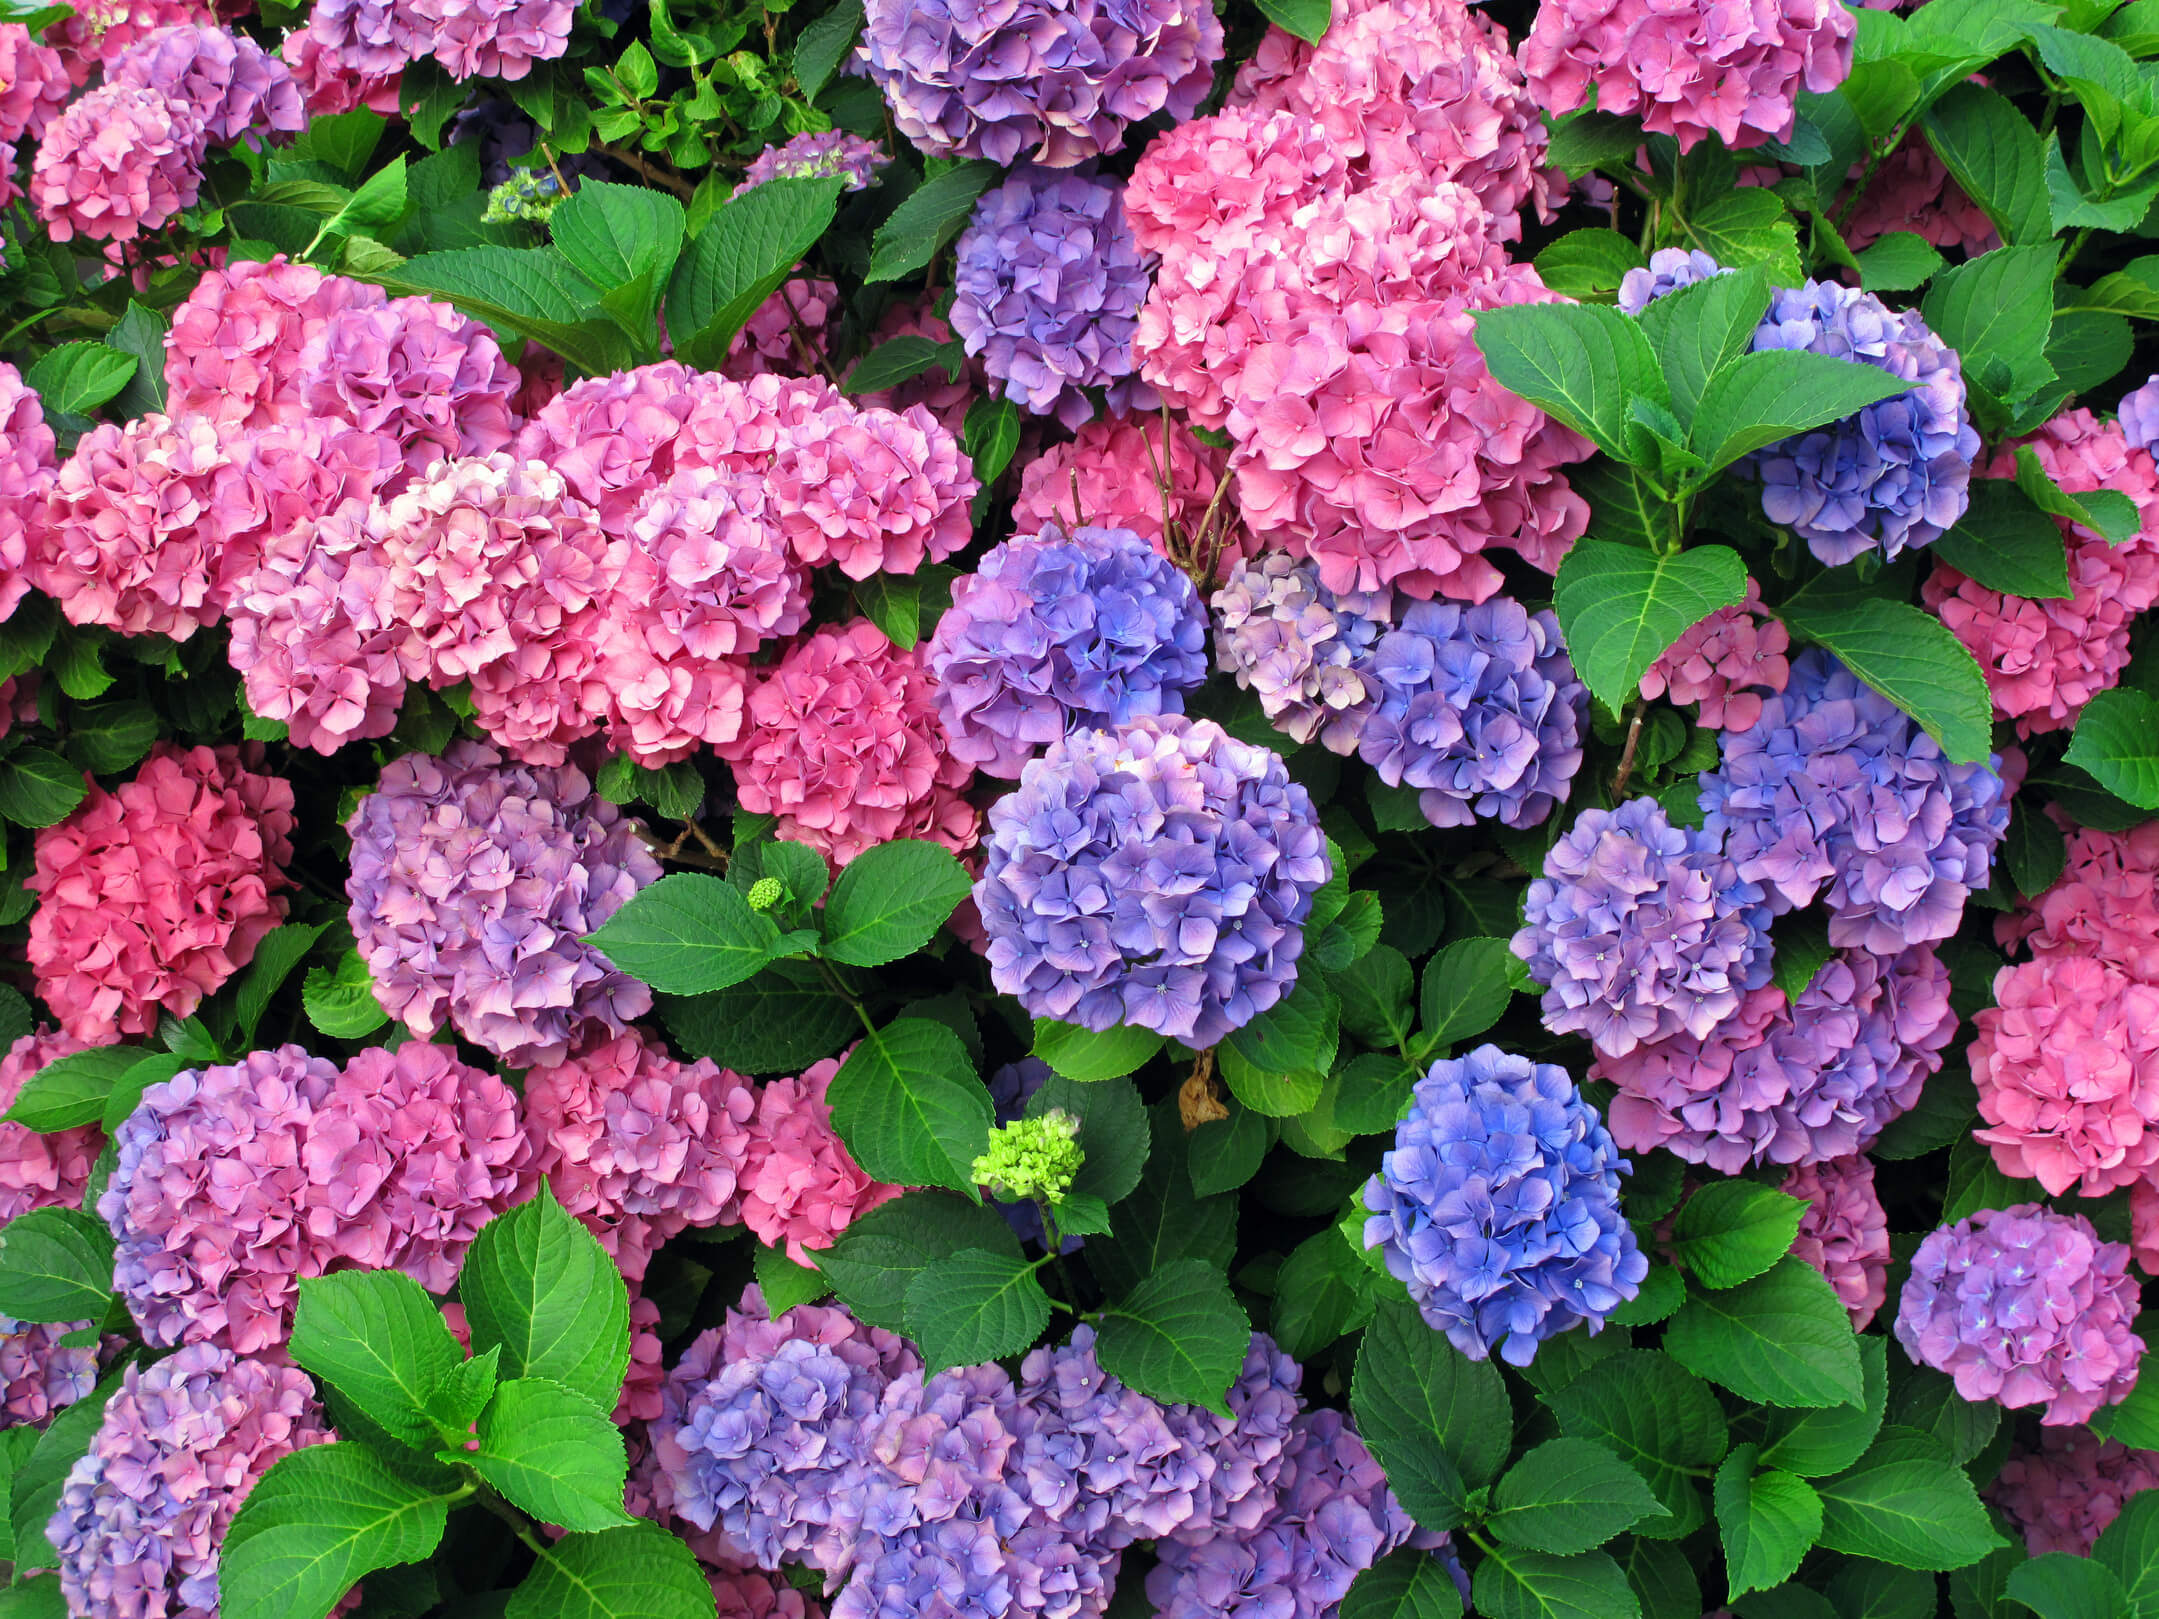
[[1499, 1206], [1302, 647], [1670, 268]]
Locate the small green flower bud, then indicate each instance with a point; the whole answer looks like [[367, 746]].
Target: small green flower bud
[[1032, 1158], [527, 194], [765, 893]]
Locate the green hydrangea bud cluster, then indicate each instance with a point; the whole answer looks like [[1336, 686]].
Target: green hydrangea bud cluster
[[1032, 1158], [527, 194], [765, 893]]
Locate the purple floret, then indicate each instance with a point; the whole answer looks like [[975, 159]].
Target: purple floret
[[820, 155], [1670, 268], [2139, 417], [234, 86], [1305, 649]]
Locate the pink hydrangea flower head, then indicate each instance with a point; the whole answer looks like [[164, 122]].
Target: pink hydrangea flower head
[[101, 29], [34, 84], [280, 483], [2025, 1306], [706, 580], [1845, 1233], [800, 1185], [326, 60], [493, 39], [409, 1154], [2067, 1066], [18, 701], [121, 161], [1791, 1084], [28, 467], [825, 154], [1911, 191], [2105, 904], [614, 437], [2063, 1494], [39, 1375], [843, 745], [417, 371], [1727, 663], [1693, 69], [473, 884], [872, 490], [41, 1171], [748, 1593], [944, 396], [1140, 473], [152, 895], [236, 341], [640, 1400], [232, 84], [638, 1145], [786, 333]]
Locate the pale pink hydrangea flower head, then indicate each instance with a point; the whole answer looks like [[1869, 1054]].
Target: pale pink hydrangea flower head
[[1844, 1234], [494, 39], [41, 1171], [236, 342], [872, 490], [1727, 663], [801, 1186], [2105, 904], [119, 162], [329, 82], [28, 467], [280, 482], [232, 84]]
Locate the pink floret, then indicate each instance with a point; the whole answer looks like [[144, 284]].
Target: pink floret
[[236, 343], [329, 80], [495, 39], [801, 1186], [2104, 904], [101, 30], [34, 84], [41, 1171], [28, 468], [1844, 1234], [1728, 663], [119, 162], [1911, 191], [2064, 1493], [417, 371], [1112, 475], [872, 490], [230, 83]]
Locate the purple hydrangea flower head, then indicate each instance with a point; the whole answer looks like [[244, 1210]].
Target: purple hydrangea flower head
[[1303, 648], [827, 154], [1640, 930], [1791, 1084], [473, 884], [1241, 1457], [1047, 290], [1895, 474], [1499, 1206], [2025, 1306], [1836, 786], [1479, 708], [143, 1514], [2139, 417], [1670, 268], [1055, 80], [39, 1375], [1059, 630], [233, 85], [1158, 874]]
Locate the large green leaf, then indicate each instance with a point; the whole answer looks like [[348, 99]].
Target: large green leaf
[[689, 934], [928, 219], [1567, 1496], [1620, 607], [1912, 659], [910, 1107], [1515, 1584], [314, 1525], [1408, 1584], [879, 1255], [1438, 1422], [529, 292], [552, 1454], [71, 1091], [377, 1338], [1179, 1337], [1781, 1339], [641, 1572], [1769, 1520], [1580, 363], [2008, 544], [1759, 399], [540, 1286], [1996, 157], [890, 901], [2117, 743], [55, 1265], [974, 1306], [1905, 1502], [746, 250], [1655, 1416], [1731, 1231]]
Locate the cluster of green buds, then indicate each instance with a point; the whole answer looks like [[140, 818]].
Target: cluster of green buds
[[1035, 1158], [765, 893], [528, 194]]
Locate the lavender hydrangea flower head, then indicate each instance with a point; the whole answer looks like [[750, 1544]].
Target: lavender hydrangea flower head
[[232, 84], [1242, 1456], [1499, 1206], [1479, 708], [1303, 648], [1837, 787], [1896, 474], [1670, 268], [1061, 630], [143, 1514], [2138, 415], [819, 155], [1047, 289], [473, 884], [1641, 930], [1055, 80], [1158, 874], [2027, 1307], [39, 1375]]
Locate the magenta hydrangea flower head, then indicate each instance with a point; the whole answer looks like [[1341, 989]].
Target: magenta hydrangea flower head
[[1845, 1233], [765, 1431], [1895, 474], [34, 84], [1143, 473], [1087, 628], [493, 39], [152, 895], [1052, 80], [843, 745], [142, 1516], [209, 1201], [279, 483], [1910, 190], [39, 1375], [325, 55], [2138, 417], [416, 371], [1047, 289], [1791, 1084], [1690, 70], [1306, 651], [1158, 874], [1670, 268], [2105, 904], [234, 86], [2025, 1306], [801, 1187], [1479, 708], [40, 1171], [638, 1145], [28, 467], [1727, 663], [2066, 1061], [1499, 1206], [120, 161], [817, 155], [2063, 1494], [1838, 792], [1641, 930], [473, 884], [235, 348], [871, 490]]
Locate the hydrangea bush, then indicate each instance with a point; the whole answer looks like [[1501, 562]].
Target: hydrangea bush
[[1216, 809]]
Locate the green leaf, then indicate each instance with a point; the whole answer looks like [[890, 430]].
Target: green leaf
[[824, 45], [1745, 225], [2007, 543], [1620, 607], [1899, 261], [1307, 19], [1928, 1401], [1830, 1438], [1515, 1584], [345, 141], [1114, 1133], [780, 1021], [1731, 1231], [1466, 989], [877, 1258], [1802, 948], [1661, 1295], [1662, 1578], [1438, 1422], [55, 1265], [2129, 1547], [688, 934], [1698, 330], [2033, 854], [1407, 1584], [2059, 1586], [641, 1572], [107, 737], [1781, 1339], [38, 787], [1375, 999], [990, 434], [930, 217], [532, 293], [340, 1000], [1583, 141], [1276, 1093], [890, 901], [316, 1523], [621, 236], [1580, 363], [38, 1598], [1912, 659], [1375, 1091], [2088, 348], [1583, 263], [71, 1091], [1299, 1033], [539, 1284], [1318, 1295], [1995, 156], [1179, 1337], [75, 378], [1655, 1416], [1224, 1154], [1760, 399], [1164, 1220], [378, 1339], [379, 201], [973, 1306], [1906, 1503], [902, 358], [909, 1106], [1567, 1496], [2117, 742], [38, 1479], [1996, 309], [784, 1283], [746, 250], [1768, 1520], [552, 1454], [276, 954], [1088, 1054], [140, 332]]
